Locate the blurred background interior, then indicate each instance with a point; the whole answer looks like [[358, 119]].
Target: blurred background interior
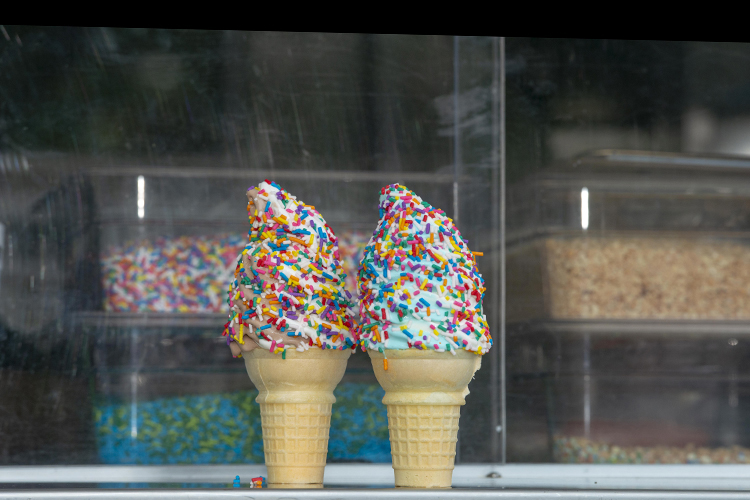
[[125, 155]]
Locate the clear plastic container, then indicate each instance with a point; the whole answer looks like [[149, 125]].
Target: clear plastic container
[[629, 302], [619, 235]]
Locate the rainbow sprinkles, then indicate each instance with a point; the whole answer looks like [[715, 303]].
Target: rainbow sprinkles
[[419, 286], [288, 287]]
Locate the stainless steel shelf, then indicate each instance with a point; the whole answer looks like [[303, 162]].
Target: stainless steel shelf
[[607, 158], [100, 319], [239, 224], [295, 174], [560, 326], [518, 237], [643, 327]]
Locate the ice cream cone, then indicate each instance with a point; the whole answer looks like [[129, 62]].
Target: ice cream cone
[[295, 397], [424, 391]]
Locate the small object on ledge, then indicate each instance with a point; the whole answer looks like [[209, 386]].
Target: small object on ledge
[[236, 482], [259, 482]]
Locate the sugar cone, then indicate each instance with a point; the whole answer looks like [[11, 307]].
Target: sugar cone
[[424, 391], [295, 397]]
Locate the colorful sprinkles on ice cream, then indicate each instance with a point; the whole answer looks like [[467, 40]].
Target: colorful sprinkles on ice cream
[[288, 290], [418, 282]]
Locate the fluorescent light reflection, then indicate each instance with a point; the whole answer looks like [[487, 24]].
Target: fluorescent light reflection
[[141, 197], [584, 208]]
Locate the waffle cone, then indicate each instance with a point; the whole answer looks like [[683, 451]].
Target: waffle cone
[[295, 397], [424, 391]]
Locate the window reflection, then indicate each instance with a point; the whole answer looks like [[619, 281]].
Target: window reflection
[[124, 157], [125, 153]]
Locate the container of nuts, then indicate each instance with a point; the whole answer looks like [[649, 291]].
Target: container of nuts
[[628, 309]]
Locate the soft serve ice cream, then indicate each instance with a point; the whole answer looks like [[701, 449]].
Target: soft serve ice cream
[[288, 287], [421, 299], [418, 281]]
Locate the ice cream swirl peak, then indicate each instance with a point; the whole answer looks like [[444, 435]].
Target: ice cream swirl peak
[[288, 287], [418, 282]]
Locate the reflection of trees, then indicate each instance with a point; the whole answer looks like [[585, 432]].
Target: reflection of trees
[[265, 100], [107, 90]]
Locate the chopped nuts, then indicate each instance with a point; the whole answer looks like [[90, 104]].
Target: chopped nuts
[[646, 278]]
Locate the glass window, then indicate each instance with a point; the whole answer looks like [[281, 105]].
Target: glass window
[[125, 158], [626, 249], [605, 182]]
